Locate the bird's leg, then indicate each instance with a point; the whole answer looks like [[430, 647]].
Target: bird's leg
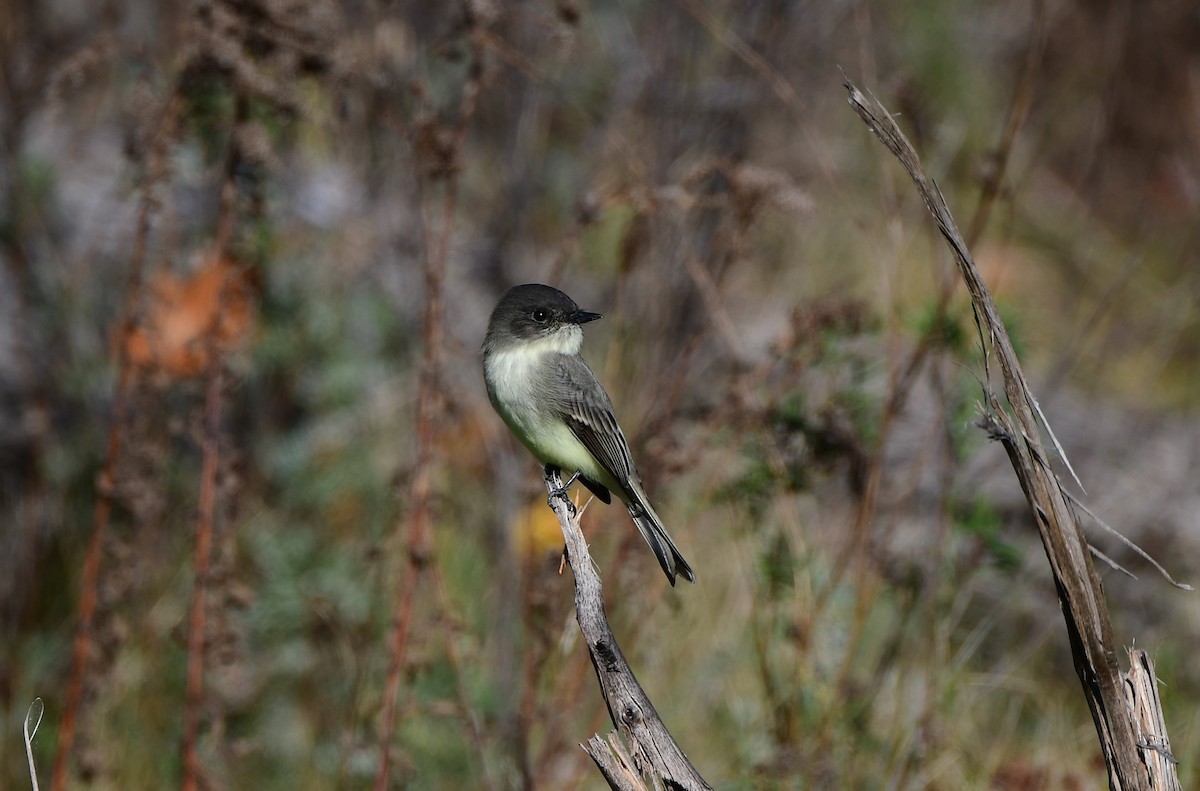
[[561, 492]]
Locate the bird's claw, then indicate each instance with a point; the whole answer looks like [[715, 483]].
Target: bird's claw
[[561, 494]]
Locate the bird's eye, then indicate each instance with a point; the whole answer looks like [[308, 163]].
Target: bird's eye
[[540, 316]]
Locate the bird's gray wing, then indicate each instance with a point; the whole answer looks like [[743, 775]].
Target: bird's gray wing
[[584, 406], [586, 409]]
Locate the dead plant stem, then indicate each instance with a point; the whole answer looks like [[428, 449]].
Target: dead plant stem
[[210, 439], [106, 479], [203, 552], [419, 550]]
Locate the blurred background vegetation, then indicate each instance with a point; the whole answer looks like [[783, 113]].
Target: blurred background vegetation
[[270, 190]]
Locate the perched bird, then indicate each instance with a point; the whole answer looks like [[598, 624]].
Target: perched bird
[[539, 383]]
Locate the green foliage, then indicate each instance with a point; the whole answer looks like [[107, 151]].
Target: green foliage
[[944, 329], [978, 518], [759, 483], [1013, 322], [34, 187], [209, 110], [778, 567], [603, 241]]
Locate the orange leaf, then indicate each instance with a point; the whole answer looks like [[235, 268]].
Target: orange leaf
[[188, 319]]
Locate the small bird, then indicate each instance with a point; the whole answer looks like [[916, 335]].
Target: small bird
[[539, 383]]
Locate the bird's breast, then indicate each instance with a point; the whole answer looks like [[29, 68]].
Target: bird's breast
[[517, 383]]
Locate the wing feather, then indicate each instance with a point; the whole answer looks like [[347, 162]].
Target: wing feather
[[587, 410]]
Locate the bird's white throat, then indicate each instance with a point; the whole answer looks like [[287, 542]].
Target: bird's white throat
[[565, 339], [511, 370]]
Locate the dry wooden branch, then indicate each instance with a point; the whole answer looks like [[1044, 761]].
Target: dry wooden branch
[[1093, 646], [1142, 688], [613, 761], [654, 752], [156, 164]]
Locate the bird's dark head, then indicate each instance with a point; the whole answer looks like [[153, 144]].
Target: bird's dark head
[[538, 315]]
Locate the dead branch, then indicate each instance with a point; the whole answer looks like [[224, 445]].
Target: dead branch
[[203, 553], [210, 440], [418, 539], [1080, 592], [1142, 689], [655, 753], [156, 164], [613, 761]]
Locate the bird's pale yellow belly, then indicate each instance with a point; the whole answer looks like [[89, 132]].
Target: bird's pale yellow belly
[[512, 382]]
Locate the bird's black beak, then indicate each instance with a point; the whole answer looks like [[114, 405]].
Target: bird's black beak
[[583, 317]]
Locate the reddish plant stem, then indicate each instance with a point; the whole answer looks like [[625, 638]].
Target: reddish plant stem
[[418, 527], [81, 649], [203, 554], [210, 441], [399, 650], [106, 479], [419, 546], [419, 549], [418, 553]]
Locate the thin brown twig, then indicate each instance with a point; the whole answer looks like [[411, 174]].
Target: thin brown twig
[[419, 551], [747, 54], [507, 53], [210, 439], [418, 541], [203, 553], [930, 339], [106, 479], [531, 668], [711, 296], [1018, 113], [398, 649], [571, 679], [856, 546], [779, 85], [470, 719], [1085, 611]]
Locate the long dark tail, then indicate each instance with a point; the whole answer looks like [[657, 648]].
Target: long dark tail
[[652, 530]]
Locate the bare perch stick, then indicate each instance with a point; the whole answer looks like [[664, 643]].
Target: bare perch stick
[[1142, 688], [1093, 646], [654, 753]]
